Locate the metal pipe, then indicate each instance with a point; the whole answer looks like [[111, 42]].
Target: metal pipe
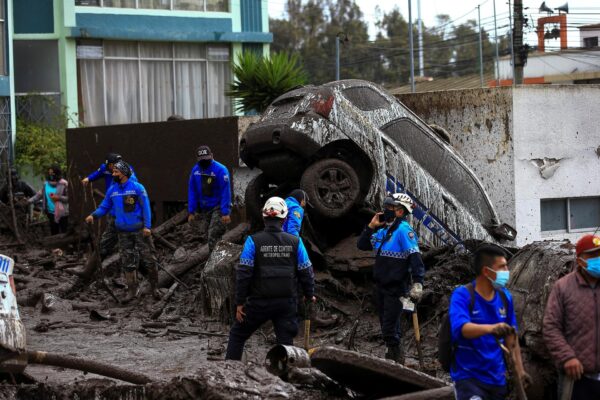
[[337, 57], [480, 45], [512, 49], [497, 52], [410, 43], [420, 33]]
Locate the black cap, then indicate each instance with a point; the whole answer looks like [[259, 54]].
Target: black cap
[[300, 195], [204, 153], [123, 168], [112, 158]]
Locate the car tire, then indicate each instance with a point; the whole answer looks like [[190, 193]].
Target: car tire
[[254, 197], [332, 186]]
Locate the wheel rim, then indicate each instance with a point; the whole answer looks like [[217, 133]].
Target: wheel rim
[[334, 187]]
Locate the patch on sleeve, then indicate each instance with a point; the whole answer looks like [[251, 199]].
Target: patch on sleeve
[[411, 234], [297, 214], [226, 178]]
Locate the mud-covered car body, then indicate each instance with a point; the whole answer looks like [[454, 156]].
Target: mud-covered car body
[[13, 357], [388, 146]]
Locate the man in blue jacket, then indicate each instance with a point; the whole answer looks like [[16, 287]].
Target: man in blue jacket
[[272, 264], [109, 238], [397, 260], [481, 316], [129, 202], [209, 196], [296, 204]]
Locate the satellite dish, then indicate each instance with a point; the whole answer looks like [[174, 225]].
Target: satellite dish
[[564, 8], [545, 8]]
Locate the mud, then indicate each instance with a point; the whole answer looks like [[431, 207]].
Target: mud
[[182, 349]]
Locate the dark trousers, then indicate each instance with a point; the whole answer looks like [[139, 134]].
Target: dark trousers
[[209, 221], [586, 389], [110, 237], [473, 389], [135, 249], [57, 227], [389, 309], [282, 312]]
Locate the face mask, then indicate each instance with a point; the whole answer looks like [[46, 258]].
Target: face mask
[[51, 178], [501, 278], [204, 163], [389, 215], [593, 267]]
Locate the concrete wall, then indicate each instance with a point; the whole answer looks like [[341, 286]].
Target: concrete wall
[[562, 123], [550, 65], [479, 122]]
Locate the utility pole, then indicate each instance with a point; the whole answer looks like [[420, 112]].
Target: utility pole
[[512, 49], [410, 44], [480, 45], [337, 57], [519, 61], [420, 32], [497, 52]]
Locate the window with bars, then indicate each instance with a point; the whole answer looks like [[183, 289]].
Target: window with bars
[[187, 5], [579, 214], [130, 82]]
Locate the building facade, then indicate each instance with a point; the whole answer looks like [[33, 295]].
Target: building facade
[[128, 61]]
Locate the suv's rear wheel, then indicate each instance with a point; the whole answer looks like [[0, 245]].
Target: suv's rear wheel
[[332, 186]]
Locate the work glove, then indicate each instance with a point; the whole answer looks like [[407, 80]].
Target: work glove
[[416, 292]]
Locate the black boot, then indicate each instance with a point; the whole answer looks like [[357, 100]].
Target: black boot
[[395, 354], [153, 278]]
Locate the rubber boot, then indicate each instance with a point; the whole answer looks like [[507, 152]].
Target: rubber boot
[[131, 280], [395, 354], [153, 278]]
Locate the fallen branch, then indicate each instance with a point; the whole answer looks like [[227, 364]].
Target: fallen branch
[[164, 301], [94, 367], [443, 393]]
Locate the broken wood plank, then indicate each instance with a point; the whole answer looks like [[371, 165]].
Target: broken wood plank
[[164, 301], [443, 393]]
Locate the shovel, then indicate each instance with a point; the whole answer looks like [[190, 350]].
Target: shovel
[[307, 307], [408, 305], [567, 388]]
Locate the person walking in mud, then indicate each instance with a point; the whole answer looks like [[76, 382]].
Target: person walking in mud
[[482, 317], [296, 203], [397, 261], [572, 326], [129, 202], [209, 196], [109, 238], [272, 264], [55, 200]]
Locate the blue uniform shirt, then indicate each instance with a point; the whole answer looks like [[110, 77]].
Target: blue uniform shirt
[[479, 358], [219, 194], [130, 204], [293, 222], [103, 172]]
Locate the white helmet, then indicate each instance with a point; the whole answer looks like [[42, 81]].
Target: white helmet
[[399, 199], [275, 207]]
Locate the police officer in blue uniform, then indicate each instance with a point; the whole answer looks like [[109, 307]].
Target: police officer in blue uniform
[[109, 238], [209, 195], [272, 264], [128, 201], [296, 203], [397, 260]]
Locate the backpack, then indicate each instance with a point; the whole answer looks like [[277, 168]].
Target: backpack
[[445, 346]]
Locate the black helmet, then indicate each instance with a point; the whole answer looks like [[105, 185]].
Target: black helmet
[[112, 158], [123, 168]]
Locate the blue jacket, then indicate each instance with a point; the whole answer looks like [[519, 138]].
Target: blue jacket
[[216, 190], [398, 259], [130, 204], [479, 358], [103, 172], [293, 222]]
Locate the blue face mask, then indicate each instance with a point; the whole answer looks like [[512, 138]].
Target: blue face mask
[[501, 278], [593, 267]]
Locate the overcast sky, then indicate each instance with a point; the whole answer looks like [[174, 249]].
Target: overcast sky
[[580, 12]]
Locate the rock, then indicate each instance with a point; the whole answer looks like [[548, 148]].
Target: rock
[[53, 303], [180, 255]]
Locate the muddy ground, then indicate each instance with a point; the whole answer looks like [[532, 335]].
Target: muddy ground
[[183, 349]]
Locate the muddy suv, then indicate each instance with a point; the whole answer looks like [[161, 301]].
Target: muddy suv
[[347, 143], [13, 358]]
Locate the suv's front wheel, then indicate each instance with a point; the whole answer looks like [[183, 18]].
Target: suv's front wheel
[[333, 187]]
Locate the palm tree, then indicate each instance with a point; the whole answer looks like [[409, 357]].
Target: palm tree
[[260, 80]]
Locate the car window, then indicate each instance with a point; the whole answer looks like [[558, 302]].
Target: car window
[[441, 164], [365, 98]]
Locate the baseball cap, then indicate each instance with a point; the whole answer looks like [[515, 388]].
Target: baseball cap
[[587, 244], [204, 153]]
